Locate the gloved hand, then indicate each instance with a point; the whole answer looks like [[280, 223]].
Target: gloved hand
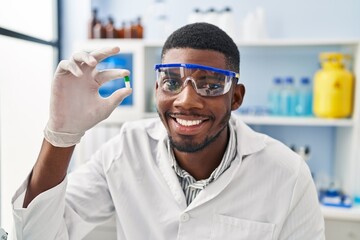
[[75, 104]]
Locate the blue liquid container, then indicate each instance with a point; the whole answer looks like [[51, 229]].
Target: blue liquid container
[[274, 97], [288, 98], [304, 98]]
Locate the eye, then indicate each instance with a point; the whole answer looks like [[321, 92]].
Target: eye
[[210, 82], [171, 84], [214, 86]]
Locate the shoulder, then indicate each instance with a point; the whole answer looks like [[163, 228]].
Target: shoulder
[[133, 136], [264, 152], [152, 127]]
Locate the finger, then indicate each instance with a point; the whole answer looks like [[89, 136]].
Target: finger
[[66, 66], [84, 57], [118, 96], [101, 54], [110, 74]]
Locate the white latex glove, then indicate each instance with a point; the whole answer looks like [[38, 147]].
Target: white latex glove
[[75, 103]]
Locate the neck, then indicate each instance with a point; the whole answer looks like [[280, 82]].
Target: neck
[[202, 163]]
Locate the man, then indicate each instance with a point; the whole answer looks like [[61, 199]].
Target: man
[[196, 173]]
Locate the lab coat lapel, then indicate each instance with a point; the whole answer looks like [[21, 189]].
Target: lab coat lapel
[[169, 174], [248, 142]]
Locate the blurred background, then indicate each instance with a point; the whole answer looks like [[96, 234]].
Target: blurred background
[[287, 82]]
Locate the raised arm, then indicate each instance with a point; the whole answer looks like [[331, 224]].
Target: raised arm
[[75, 107]]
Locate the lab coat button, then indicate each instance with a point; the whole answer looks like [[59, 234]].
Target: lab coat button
[[184, 217]]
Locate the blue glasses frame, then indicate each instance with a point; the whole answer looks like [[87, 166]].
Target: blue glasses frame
[[192, 66]]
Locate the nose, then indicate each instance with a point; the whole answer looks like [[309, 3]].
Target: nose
[[188, 97]]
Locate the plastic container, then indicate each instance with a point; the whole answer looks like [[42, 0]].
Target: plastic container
[[227, 22], [211, 16], [274, 97], [333, 88], [288, 98], [304, 98]]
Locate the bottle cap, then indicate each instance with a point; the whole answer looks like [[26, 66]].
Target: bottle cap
[[289, 80], [277, 80], [304, 80]]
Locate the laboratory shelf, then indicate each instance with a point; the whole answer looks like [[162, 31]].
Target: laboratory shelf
[[338, 213], [297, 42], [296, 121]]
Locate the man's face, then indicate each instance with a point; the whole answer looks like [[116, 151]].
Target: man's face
[[193, 121]]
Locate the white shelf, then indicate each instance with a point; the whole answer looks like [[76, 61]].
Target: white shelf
[[297, 42], [296, 121], [254, 43], [338, 213]]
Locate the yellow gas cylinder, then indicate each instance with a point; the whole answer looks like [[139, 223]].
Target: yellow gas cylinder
[[333, 87]]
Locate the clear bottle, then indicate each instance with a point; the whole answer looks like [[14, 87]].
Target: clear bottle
[[93, 21], [274, 97], [227, 22], [304, 98], [212, 16], [288, 98], [157, 25], [99, 30]]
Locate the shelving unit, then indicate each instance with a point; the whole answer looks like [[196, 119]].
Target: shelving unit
[[345, 162]]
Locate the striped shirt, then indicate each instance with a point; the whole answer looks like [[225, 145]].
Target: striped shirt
[[189, 184]]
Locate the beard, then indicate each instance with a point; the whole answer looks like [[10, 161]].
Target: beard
[[189, 146]]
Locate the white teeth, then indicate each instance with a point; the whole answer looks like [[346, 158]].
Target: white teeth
[[188, 123]]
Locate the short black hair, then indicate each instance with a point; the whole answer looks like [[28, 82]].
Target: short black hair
[[207, 37]]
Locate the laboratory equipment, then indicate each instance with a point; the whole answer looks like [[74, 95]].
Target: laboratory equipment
[[288, 98], [304, 98], [333, 87], [274, 97], [3, 234]]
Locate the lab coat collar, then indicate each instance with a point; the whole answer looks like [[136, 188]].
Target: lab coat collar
[[248, 141]]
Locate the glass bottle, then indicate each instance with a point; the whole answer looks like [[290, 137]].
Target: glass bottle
[[139, 28], [121, 30], [94, 19], [288, 98], [304, 98], [110, 31], [99, 30], [274, 97]]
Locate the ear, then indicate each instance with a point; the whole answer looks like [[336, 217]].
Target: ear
[[238, 96]]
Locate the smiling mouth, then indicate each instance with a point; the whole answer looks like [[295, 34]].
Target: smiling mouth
[[188, 123]]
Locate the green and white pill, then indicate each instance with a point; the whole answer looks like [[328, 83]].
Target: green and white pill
[[127, 82]]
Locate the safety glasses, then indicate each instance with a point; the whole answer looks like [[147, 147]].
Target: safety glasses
[[207, 81]]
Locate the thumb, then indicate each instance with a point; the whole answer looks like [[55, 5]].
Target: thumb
[[118, 96]]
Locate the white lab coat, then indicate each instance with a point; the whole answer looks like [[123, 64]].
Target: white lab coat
[[266, 194]]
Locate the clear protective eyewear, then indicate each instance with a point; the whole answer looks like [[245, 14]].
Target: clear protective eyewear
[[207, 81]]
